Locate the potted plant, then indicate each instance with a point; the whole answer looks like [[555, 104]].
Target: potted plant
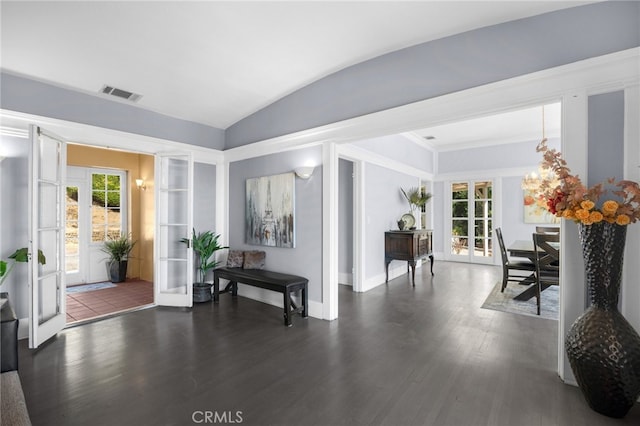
[[205, 244], [416, 199], [20, 255], [118, 250]]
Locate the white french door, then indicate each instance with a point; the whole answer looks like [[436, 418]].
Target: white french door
[[47, 310], [470, 228], [174, 195]]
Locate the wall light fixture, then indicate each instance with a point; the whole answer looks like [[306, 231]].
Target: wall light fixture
[[304, 172]]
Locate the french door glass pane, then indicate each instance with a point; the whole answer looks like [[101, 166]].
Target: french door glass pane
[[72, 236], [459, 245], [471, 209], [106, 219], [483, 247], [483, 209]]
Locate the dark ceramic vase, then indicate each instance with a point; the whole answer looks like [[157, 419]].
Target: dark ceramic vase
[[202, 292], [603, 348], [117, 271]]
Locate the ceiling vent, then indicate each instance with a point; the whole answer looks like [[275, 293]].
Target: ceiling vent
[[123, 94]]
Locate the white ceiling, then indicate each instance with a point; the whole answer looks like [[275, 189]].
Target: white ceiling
[[514, 126], [218, 62]]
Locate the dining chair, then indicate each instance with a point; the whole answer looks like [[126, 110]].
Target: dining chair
[[512, 270], [547, 229], [547, 262]]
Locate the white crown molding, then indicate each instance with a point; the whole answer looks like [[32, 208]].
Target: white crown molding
[[86, 134], [482, 174]]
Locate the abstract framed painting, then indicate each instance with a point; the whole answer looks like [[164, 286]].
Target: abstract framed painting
[[535, 209], [269, 211]]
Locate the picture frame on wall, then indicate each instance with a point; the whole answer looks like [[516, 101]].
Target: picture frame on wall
[[535, 209], [270, 211]]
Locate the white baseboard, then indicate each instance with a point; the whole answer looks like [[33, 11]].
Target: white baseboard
[[345, 278], [275, 299], [23, 328], [394, 272]]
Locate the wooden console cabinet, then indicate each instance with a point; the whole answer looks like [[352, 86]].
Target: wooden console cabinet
[[410, 246]]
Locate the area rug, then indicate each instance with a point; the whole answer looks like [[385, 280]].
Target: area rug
[[498, 301], [90, 287]]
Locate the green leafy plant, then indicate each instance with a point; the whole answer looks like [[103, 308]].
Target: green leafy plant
[[119, 248], [20, 255], [205, 244], [416, 197]]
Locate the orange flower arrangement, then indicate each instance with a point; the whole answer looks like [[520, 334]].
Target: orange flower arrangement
[[571, 199]]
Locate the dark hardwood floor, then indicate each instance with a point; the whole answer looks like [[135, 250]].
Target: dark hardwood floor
[[398, 355]]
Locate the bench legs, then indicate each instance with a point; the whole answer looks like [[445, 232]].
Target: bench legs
[[287, 308], [288, 304], [232, 285]]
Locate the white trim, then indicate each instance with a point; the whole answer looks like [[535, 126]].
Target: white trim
[[222, 208], [345, 278], [357, 153], [482, 174], [572, 291], [314, 310], [330, 231], [84, 134], [359, 224]]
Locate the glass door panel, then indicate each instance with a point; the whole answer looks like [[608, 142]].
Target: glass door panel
[[72, 232], [471, 221], [483, 214], [459, 218]]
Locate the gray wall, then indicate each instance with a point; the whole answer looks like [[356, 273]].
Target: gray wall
[[606, 137], [448, 65], [345, 217], [14, 220], [34, 97], [306, 258], [383, 206]]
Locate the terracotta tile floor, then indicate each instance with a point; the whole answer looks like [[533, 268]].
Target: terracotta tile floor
[[96, 303]]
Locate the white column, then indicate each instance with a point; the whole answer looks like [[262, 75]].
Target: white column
[[329, 231], [572, 288]]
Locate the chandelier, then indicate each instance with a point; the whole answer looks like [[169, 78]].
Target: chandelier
[[532, 181]]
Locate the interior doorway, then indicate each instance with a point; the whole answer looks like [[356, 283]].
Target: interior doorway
[[346, 268], [104, 201]]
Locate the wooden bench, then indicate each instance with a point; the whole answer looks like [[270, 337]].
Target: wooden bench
[[276, 281]]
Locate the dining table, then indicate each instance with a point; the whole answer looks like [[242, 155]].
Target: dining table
[[526, 249]]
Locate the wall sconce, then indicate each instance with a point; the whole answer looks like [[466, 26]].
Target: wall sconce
[[140, 184], [304, 172]]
